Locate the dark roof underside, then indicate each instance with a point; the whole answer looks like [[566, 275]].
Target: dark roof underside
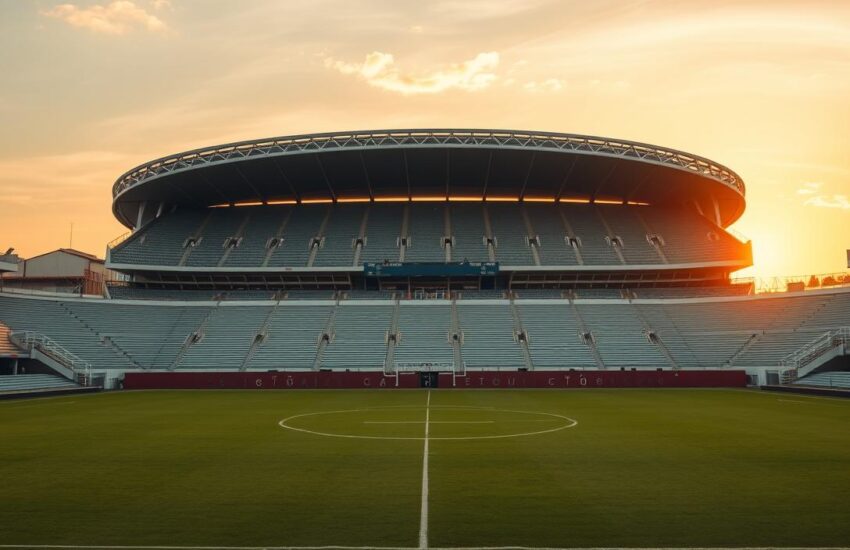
[[433, 172]]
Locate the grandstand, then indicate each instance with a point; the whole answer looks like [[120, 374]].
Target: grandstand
[[454, 251]]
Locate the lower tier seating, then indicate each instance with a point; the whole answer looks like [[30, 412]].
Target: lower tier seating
[[488, 332], [826, 380], [34, 382]]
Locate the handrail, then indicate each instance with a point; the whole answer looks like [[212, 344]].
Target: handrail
[[434, 366], [811, 281], [118, 240], [428, 137], [816, 348], [29, 339]]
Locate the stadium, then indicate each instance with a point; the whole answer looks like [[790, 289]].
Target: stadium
[[446, 262]]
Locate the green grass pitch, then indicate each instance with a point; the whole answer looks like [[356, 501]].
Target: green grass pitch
[[600, 468]]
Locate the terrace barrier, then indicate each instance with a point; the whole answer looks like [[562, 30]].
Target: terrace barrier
[[470, 380]]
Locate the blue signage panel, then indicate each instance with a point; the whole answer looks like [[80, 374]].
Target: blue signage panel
[[431, 269]]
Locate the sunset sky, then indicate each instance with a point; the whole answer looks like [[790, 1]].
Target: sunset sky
[[90, 89]]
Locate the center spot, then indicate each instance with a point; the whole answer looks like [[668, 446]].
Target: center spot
[[446, 423]]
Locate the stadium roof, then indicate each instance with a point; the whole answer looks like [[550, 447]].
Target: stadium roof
[[484, 164]]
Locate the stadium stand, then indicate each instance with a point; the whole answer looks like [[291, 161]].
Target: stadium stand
[[435, 250], [689, 238], [691, 333], [826, 380], [593, 237], [382, 233], [489, 336], [358, 337], [535, 234], [426, 231], [299, 229], [293, 332], [162, 241], [424, 330], [20, 383], [468, 233]]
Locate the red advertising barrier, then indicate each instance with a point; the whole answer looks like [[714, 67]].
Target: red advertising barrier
[[472, 380]]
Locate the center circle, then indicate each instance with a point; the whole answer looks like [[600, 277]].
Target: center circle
[[369, 420]]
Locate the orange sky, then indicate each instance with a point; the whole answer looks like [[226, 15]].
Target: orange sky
[[94, 88]]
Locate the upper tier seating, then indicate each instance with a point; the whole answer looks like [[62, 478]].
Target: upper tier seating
[[263, 224], [337, 240], [689, 238], [383, 230], [468, 233], [588, 228], [426, 229], [510, 233], [300, 227], [520, 235], [493, 332], [547, 224]]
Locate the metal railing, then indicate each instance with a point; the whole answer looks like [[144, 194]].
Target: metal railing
[[30, 340], [441, 366], [766, 285], [118, 240], [816, 348], [429, 137]]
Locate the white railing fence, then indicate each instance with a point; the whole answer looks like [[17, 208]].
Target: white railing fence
[[30, 340], [816, 348]]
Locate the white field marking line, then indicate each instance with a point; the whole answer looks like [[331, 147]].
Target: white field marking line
[[768, 393], [432, 422], [423, 509], [172, 547], [570, 423], [135, 547], [36, 401], [27, 403], [792, 401], [432, 406]]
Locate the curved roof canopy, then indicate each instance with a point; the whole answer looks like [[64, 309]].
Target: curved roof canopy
[[378, 164]]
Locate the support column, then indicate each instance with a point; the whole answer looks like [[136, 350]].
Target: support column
[[140, 217], [716, 206]]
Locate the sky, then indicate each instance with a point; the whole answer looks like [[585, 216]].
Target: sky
[[89, 89]]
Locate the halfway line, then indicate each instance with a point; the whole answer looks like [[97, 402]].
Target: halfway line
[[423, 515], [431, 422]]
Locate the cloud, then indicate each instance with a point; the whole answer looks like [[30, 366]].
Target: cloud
[[548, 85], [809, 188], [380, 70], [116, 17], [829, 201]]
